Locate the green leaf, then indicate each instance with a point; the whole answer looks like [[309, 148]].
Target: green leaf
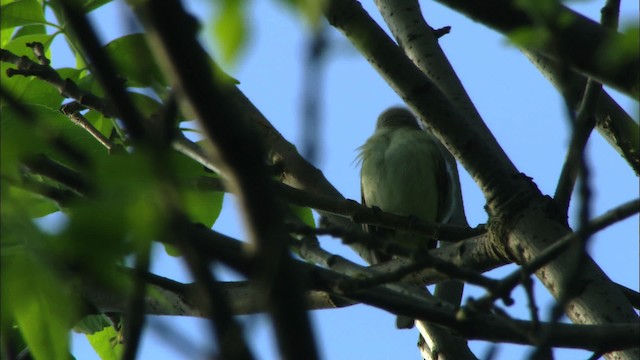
[[29, 89], [134, 61], [107, 343], [5, 36], [146, 105], [623, 49], [529, 36], [35, 205], [305, 214], [92, 324], [99, 121], [37, 29], [91, 5], [86, 6], [22, 139], [230, 28], [18, 140], [311, 10], [201, 204], [21, 12], [40, 302]]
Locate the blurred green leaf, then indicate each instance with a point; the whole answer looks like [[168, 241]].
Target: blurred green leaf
[[40, 302], [305, 214], [311, 10], [92, 324], [21, 12], [18, 140], [23, 139], [623, 49], [37, 29], [35, 205], [539, 8], [90, 84], [529, 36], [87, 5], [201, 204], [134, 61], [230, 28], [90, 5], [146, 105]]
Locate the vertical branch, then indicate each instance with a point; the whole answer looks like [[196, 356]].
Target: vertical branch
[[583, 124], [576, 165], [312, 94], [173, 36]]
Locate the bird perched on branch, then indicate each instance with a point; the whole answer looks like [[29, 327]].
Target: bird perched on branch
[[404, 172]]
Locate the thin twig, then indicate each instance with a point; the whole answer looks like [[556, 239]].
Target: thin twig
[[72, 111]]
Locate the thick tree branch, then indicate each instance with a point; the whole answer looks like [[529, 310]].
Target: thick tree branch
[[570, 38], [557, 248]]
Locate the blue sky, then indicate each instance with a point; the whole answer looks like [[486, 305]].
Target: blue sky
[[520, 107]]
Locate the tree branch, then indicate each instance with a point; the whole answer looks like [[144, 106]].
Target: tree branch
[[612, 122], [173, 36], [522, 219], [571, 39]]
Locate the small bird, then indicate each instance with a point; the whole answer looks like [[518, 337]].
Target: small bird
[[404, 172]]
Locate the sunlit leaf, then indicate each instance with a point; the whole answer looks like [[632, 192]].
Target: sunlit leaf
[[107, 343], [37, 29], [87, 5], [6, 35], [21, 12], [305, 214], [92, 324], [29, 89]]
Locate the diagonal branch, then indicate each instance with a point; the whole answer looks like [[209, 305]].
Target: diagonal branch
[[571, 39]]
